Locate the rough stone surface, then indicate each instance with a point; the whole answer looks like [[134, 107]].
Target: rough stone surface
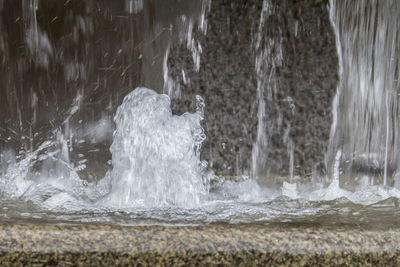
[[227, 81], [227, 245]]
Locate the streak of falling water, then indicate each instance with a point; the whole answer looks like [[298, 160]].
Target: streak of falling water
[[366, 107], [268, 50], [186, 35]]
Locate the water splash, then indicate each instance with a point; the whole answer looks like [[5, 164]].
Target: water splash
[[156, 155], [157, 172]]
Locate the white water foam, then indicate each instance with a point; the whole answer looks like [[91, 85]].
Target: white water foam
[[156, 164], [155, 155]]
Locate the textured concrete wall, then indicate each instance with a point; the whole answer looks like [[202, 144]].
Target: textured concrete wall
[[227, 81]]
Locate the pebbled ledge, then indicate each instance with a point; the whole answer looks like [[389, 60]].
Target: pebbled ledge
[[32, 244]]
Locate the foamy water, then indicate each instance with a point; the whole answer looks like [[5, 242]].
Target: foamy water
[[157, 176]]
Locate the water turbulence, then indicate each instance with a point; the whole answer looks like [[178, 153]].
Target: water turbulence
[[156, 173], [156, 155]]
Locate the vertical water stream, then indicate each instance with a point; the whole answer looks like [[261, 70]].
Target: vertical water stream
[[366, 107], [268, 51]]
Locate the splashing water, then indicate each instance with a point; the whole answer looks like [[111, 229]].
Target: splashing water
[[156, 155], [157, 173], [158, 177]]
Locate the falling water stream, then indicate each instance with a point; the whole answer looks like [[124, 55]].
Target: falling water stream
[[155, 174], [365, 109]]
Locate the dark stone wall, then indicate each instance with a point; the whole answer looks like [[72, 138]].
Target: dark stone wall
[[227, 81]]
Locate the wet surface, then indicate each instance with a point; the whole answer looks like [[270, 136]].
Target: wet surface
[[341, 212]]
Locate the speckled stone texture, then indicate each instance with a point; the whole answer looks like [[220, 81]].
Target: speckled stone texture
[[227, 245], [227, 81]]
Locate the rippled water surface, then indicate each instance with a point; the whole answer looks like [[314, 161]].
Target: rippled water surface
[[156, 177], [383, 214]]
